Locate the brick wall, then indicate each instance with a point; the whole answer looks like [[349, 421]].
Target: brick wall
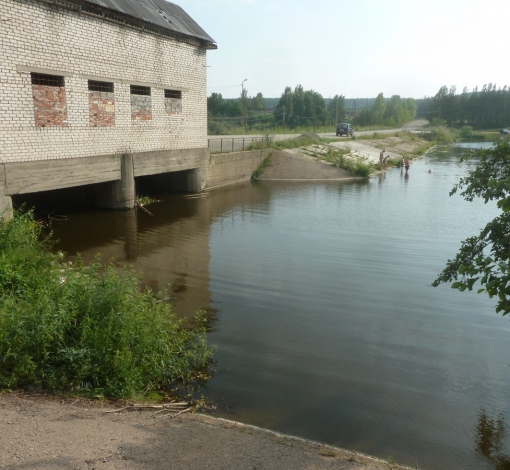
[[102, 109], [49, 106], [173, 105], [42, 38], [141, 108]]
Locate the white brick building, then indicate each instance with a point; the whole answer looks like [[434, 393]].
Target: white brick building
[[87, 86]]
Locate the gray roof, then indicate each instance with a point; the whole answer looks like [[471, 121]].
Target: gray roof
[[160, 13]]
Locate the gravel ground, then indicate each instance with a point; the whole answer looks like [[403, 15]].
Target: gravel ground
[[45, 432]]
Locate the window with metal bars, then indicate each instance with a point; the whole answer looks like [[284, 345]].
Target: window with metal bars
[[173, 94], [95, 85], [140, 90], [48, 80]]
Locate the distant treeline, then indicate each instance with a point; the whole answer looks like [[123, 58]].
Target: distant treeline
[[483, 109], [304, 108]]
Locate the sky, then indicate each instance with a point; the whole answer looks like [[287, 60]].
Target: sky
[[355, 48]]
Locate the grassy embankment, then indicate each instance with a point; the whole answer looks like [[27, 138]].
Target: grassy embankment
[[87, 329]]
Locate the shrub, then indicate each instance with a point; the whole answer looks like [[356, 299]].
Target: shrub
[[356, 166], [466, 132], [441, 135], [86, 329]]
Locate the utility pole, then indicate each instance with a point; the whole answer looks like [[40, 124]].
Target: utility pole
[[283, 117], [336, 103], [244, 106]]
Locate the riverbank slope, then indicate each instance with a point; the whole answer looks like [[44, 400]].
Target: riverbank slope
[[48, 432], [307, 163]]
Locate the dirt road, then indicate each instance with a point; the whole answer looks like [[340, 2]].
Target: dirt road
[[417, 124]]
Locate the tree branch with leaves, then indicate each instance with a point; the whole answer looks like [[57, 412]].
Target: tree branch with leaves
[[485, 258]]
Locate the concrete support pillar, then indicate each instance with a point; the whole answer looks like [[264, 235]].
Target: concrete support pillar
[[118, 194], [6, 207], [193, 184], [130, 231], [5, 201]]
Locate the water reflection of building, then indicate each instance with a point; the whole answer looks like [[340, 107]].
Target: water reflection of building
[[171, 248]]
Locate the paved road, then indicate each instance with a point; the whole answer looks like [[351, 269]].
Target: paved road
[[231, 143]]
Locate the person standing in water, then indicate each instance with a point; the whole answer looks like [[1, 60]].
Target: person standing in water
[[407, 164], [381, 158]]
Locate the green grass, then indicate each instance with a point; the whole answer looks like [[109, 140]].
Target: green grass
[[87, 329], [355, 165], [423, 148], [288, 143], [262, 167], [404, 135]]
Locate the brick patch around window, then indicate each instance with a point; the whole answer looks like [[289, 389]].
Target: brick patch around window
[[141, 109], [50, 107], [173, 105], [102, 109]]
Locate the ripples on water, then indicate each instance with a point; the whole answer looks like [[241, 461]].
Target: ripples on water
[[328, 328]]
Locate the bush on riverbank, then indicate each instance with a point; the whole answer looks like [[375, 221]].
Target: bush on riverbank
[[355, 165], [86, 329]]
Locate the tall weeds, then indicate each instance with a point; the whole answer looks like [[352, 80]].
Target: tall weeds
[[355, 165], [260, 169], [86, 328]]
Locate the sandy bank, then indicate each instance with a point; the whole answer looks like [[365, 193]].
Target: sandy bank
[[41, 432]]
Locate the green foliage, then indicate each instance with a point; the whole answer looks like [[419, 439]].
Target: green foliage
[[86, 329], [441, 135], [485, 258], [466, 132], [266, 162], [302, 107], [437, 122], [482, 109], [336, 109], [144, 200], [302, 111], [384, 112], [355, 165]]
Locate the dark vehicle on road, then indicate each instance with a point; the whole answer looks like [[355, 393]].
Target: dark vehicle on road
[[344, 129]]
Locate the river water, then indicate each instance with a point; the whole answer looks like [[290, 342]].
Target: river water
[[326, 325]]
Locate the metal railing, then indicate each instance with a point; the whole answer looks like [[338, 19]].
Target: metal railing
[[237, 144]]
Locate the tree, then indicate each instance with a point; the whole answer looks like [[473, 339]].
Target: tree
[[214, 103], [336, 109], [485, 258], [378, 108], [257, 103], [302, 107]]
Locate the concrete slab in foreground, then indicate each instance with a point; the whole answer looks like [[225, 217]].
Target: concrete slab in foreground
[[50, 433]]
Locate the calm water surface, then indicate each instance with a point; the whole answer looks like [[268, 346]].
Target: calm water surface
[[327, 325]]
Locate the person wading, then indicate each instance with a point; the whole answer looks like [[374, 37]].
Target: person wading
[[407, 164], [381, 159]]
